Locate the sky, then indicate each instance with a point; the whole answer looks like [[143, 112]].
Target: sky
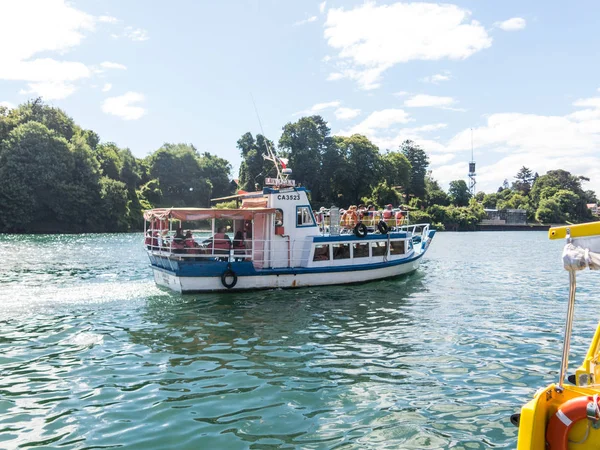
[[521, 78]]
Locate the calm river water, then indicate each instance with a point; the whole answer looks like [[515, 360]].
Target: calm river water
[[93, 355]]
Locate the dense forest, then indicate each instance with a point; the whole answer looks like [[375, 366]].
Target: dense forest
[[57, 177]]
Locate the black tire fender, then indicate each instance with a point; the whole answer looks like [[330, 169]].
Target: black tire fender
[[383, 227], [229, 274], [360, 230]]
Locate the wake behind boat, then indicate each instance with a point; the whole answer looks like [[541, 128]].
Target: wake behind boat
[[278, 242]]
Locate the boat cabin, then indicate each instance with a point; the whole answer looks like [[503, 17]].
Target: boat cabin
[[273, 228]]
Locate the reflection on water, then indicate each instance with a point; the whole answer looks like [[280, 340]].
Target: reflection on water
[[93, 355]]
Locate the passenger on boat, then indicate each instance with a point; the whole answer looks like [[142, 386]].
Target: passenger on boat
[[399, 217], [191, 246], [321, 253], [239, 245], [178, 245], [387, 212], [350, 218], [220, 242], [362, 211]]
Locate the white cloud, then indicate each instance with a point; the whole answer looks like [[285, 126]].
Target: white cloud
[[437, 78], [314, 109], [379, 120], [52, 26], [136, 34], [370, 39], [50, 90], [123, 106], [305, 21], [401, 93], [594, 102], [539, 142], [346, 113], [8, 105], [108, 19], [322, 7], [392, 139], [107, 87], [424, 100], [112, 65], [514, 24]]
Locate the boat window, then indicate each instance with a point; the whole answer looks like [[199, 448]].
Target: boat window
[[397, 248], [341, 251], [361, 249], [279, 217], [305, 217], [379, 248], [321, 253]]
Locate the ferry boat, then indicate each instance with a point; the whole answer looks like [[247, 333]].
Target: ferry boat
[[566, 414], [276, 241]]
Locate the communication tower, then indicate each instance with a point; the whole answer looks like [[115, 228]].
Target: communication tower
[[472, 173]]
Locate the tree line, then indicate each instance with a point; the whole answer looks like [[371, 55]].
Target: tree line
[[58, 177]]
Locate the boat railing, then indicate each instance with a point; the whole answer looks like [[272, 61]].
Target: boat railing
[[417, 229], [260, 252]]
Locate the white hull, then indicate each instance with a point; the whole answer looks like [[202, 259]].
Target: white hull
[[270, 281]]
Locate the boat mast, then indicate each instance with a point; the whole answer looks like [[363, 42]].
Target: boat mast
[[270, 156]]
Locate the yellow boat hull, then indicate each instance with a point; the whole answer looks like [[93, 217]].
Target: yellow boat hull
[[536, 413]]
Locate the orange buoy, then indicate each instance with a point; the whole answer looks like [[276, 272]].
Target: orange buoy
[[570, 412]]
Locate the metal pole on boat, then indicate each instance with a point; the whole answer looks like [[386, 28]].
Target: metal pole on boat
[[569, 325], [568, 329]]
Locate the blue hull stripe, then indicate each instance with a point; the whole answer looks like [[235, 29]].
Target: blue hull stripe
[[246, 268]]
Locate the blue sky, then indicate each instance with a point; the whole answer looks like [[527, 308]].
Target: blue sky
[[523, 75]]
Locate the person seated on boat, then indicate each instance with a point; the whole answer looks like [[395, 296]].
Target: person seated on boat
[[399, 217], [362, 211], [177, 244], [220, 242], [350, 218], [239, 245], [387, 212], [191, 246], [148, 240], [321, 253]]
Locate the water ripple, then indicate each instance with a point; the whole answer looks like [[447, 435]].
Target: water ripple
[[93, 355]]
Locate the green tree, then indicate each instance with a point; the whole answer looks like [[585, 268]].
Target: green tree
[[490, 200], [177, 169], [304, 143], [218, 171], [548, 185], [459, 193], [524, 180], [254, 167], [396, 169], [434, 194], [362, 165], [114, 204], [45, 181], [382, 194], [549, 211], [419, 162]]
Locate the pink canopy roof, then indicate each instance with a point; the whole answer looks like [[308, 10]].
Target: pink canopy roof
[[205, 213]]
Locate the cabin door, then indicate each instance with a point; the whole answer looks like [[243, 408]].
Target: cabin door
[[261, 240]]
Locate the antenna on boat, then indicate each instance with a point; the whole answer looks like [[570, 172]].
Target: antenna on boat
[[283, 171], [270, 156]]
